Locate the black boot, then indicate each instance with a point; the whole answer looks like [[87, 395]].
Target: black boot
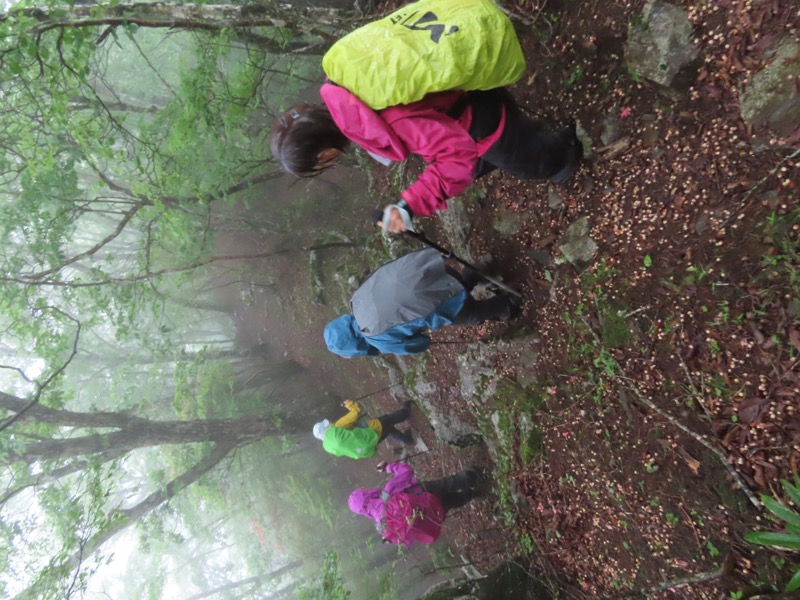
[[574, 154]]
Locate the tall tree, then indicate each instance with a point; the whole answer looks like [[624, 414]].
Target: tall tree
[[50, 459], [127, 132]]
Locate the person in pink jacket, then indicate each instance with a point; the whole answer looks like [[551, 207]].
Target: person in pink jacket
[[451, 492], [460, 135]]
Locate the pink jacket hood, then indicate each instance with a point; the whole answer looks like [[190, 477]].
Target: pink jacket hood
[[367, 502]]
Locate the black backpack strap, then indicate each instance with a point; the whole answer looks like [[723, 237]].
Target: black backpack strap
[[458, 107]]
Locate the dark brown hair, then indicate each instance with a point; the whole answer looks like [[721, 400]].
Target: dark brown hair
[[300, 134]]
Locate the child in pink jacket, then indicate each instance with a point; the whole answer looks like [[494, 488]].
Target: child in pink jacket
[[460, 135], [450, 492]]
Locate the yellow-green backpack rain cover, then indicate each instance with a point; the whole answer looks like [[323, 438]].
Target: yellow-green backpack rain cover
[[428, 46]]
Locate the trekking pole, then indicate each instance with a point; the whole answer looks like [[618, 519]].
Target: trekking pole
[[413, 455], [377, 215], [376, 392], [449, 254]]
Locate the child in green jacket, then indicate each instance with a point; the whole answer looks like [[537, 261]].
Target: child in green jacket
[[356, 436]]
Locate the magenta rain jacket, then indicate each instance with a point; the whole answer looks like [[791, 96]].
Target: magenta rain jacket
[[421, 128], [367, 502]]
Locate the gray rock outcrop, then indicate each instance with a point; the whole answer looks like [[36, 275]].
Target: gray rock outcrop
[[576, 245], [660, 42], [771, 98]]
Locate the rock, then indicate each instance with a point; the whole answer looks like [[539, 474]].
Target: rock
[[455, 222], [526, 359], [576, 245], [660, 42], [477, 373], [509, 581], [541, 256], [772, 97], [449, 428], [507, 223], [554, 197]]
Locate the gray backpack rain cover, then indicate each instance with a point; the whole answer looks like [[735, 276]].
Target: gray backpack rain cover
[[403, 290]]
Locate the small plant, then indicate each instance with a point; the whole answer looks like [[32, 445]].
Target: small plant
[[791, 537], [526, 543], [712, 549], [568, 478], [606, 362], [672, 519], [697, 273], [574, 77]]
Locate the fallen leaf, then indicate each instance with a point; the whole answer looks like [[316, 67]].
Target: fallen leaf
[[758, 476], [751, 409], [691, 462], [794, 338], [759, 337]]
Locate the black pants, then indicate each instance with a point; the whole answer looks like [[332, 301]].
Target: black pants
[[454, 490], [475, 312], [527, 148], [389, 430]]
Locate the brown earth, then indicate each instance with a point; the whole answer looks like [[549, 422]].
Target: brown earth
[[697, 261], [688, 219]]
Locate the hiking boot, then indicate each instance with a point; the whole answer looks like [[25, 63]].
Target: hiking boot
[[575, 150], [516, 305], [409, 439], [472, 478], [511, 309]]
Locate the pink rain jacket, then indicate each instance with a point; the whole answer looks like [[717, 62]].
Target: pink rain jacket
[[422, 128], [424, 527], [367, 502]]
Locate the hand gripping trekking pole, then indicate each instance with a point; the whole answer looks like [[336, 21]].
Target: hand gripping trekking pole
[[377, 392], [382, 216], [449, 254]]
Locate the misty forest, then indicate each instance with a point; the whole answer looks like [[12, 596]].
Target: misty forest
[[165, 286]]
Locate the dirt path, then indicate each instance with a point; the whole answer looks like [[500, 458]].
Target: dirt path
[[671, 359]]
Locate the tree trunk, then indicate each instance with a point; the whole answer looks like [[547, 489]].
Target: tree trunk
[[326, 24], [131, 432], [71, 467], [256, 581], [136, 513]]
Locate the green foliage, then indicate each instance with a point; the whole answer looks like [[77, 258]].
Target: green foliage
[[574, 77], [309, 496], [111, 156], [204, 388], [789, 539], [782, 264], [329, 585], [518, 439]]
